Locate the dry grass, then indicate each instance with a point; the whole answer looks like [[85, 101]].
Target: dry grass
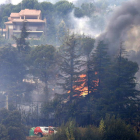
[[33, 138], [36, 138]]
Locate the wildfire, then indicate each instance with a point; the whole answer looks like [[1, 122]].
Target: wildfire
[[68, 91], [82, 76], [83, 88], [96, 82]]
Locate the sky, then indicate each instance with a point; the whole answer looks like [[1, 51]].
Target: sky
[[18, 1], [12, 1], [15, 2]]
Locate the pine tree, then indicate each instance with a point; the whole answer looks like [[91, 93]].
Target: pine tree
[[117, 88], [88, 45], [22, 44], [42, 65], [70, 65], [123, 87], [99, 66]]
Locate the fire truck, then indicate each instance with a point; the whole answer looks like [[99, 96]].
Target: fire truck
[[41, 131]]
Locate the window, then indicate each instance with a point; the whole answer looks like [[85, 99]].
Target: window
[[51, 129], [46, 129]]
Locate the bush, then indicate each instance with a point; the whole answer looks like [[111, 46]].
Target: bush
[[71, 132], [3, 133], [116, 129], [92, 133], [11, 121], [109, 129], [16, 133]]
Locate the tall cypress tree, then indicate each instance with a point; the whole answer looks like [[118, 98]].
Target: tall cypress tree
[[99, 65], [116, 91], [70, 65], [88, 45], [123, 87], [22, 44]]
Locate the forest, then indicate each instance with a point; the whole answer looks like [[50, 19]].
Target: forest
[[68, 78]]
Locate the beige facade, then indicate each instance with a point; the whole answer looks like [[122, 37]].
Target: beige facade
[[35, 25]]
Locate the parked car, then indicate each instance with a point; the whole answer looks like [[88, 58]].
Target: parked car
[[41, 131]]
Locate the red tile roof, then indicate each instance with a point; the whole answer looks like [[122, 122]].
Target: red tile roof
[[14, 15], [29, 12]]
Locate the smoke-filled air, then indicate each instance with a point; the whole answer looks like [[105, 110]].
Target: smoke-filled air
[[69, 70], [123, 28]]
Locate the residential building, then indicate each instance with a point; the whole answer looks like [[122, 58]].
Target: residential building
[[35, 25]]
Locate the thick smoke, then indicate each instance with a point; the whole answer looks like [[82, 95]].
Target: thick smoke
[[124, 26], [124, 20], [83, 26], [96, 23]]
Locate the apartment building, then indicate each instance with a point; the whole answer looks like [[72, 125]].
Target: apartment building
[[35, 25]]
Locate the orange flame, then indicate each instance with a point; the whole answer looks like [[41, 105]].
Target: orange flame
[[83, 89], [68, 91], [82, 76], [96, 82], [96, 72]]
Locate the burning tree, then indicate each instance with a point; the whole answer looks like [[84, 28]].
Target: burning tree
[[70, 65], [99, 68], [88, 45]]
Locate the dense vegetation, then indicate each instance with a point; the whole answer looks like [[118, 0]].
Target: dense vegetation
[[77, 80], [98, 12], [109, 129]]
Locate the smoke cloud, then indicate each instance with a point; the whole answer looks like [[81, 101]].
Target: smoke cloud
[[124, 21], [96, 23], [124, 26], [83, 25]]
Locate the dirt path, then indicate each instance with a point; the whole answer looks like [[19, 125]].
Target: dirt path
[[33, 138]]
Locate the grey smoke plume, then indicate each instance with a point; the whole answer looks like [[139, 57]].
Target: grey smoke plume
[[124, 26], [124, 20], [83, 25]]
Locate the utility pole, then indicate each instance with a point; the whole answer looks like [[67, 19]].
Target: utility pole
[[7, 102]]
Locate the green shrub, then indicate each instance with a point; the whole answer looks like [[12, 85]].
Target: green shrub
[[3, 133], [65, 132], [109, 129], [16, 133], [71, 132], [116, 129], [92, 133]]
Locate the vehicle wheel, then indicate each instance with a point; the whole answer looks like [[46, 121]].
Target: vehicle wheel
[[39, 135]]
